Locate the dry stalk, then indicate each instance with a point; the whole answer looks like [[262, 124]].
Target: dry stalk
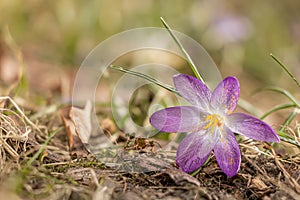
[[15, 128], [290, 179]]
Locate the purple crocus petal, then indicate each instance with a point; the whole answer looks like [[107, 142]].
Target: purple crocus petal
[[226, 95], [178, 119], [251, 127], [194, 150], [227, 153], [193, 90]]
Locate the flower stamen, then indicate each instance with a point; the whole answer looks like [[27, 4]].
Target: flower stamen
[[214, 121]]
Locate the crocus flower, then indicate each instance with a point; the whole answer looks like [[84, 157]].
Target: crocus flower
[[211, 124]]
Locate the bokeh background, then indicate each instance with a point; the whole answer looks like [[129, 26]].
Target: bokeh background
[[239, 35]]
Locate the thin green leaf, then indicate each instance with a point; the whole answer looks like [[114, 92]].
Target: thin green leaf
[[285, 135], [144, 76], [291, 141], [285, 93], [277, 108], [186, 55], [289, 120], [285, 69], [41, 150]]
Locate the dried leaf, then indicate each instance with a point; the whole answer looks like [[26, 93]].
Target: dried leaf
[[79, 128], [82, 121], [108, 126]]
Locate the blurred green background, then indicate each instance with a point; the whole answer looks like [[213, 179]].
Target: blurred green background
[[239, 35]]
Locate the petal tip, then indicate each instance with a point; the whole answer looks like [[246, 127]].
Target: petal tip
[[277, 138], [234, 81], [190, 165], [155, 120], [191, 153], [252, 127], [180, 75], [231, 78], [231, 174], [228, 154], [273, 136]]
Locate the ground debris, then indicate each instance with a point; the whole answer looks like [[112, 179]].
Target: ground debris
[[79, 128], [179, 177], [135, 171]]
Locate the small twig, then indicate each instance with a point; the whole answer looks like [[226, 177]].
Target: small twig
[[125, 184], [56, 163], [255, 149], [9, 149], [293, 133], [95, 179]]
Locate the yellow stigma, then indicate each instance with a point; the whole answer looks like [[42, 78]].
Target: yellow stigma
[[213, 121]]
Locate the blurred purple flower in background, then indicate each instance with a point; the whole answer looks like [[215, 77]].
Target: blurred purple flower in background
[[229, 29], [211, 124]]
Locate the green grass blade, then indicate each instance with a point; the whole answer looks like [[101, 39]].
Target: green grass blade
[[285, 69], [277, 108], [285, 93], [144, 76], [284, 137], [182, 49], [290, 118], [41, 150]]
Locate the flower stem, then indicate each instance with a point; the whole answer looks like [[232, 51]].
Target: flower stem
[[182, 49]]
